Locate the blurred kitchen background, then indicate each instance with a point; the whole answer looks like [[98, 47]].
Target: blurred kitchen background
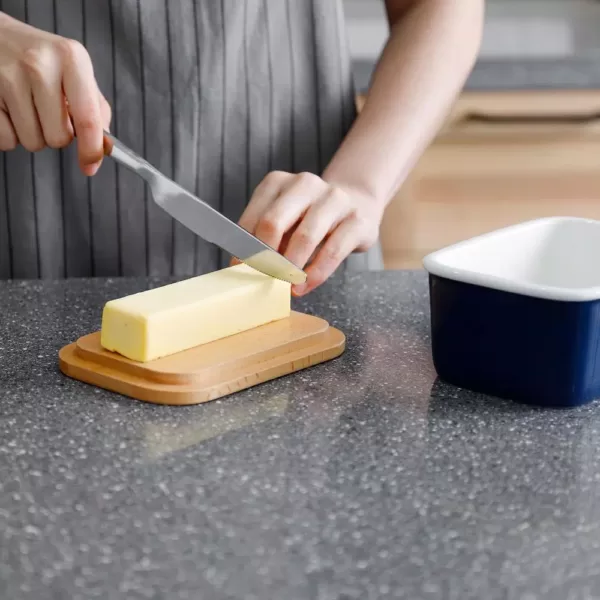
[[523, 140]]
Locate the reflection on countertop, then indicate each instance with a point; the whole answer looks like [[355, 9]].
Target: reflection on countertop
[[361, 478]]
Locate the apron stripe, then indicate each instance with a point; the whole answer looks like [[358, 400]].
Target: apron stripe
[[5, 231], [198, 116], [104, 208], [292, 94], [271, 86], [211, 117], [113, 47], [33, 180], [259, 94], [320, 165]]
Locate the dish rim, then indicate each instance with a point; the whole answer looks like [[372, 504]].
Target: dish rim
[[433, 264]]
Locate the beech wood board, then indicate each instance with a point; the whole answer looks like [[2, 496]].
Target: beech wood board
[[209, 371]]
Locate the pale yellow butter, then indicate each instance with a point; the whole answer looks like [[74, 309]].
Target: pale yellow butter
[[196, 311]]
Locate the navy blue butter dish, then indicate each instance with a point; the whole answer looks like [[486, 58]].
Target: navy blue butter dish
[[516, 313]]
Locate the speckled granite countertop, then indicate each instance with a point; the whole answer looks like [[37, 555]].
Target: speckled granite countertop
[[363, 478]]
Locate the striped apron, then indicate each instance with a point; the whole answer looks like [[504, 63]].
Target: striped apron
[[214, 93]]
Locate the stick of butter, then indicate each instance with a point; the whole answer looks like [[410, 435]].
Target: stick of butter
[[196, 311]]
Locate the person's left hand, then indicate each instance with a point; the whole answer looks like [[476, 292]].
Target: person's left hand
[[312, 222]]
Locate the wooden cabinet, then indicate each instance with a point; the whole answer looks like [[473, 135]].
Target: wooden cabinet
[[501, 158]]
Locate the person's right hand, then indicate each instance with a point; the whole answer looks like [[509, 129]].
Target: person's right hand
[[48, 94]]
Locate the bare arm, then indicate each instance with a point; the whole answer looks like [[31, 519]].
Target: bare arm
[[431, 50], [319, 221]]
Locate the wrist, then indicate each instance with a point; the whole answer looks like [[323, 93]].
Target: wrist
[[359, 164], [367, 193]]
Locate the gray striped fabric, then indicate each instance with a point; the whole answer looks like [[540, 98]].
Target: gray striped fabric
[[215, 93]]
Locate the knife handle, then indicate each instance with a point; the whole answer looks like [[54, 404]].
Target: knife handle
[[108, 144], [124, 155]]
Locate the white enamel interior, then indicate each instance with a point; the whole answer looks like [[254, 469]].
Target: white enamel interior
[[556, 258]]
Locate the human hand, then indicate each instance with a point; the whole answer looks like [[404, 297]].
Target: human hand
[[46, 82], [311, 221]]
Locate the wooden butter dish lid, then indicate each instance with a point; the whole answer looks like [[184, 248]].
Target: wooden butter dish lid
[[209, 371]]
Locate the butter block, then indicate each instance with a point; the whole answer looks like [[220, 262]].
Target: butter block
[[176, 317]]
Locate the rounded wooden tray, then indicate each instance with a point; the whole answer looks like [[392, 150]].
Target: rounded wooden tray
[[209, 371]]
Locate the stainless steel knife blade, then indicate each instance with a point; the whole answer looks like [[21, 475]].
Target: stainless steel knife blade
[[203, 220]]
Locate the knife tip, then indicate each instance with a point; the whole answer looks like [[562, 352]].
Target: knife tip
[[275, 265]]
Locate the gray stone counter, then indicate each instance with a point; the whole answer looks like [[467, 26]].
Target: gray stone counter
[[362, 478]]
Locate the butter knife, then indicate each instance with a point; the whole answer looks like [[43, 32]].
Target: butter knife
[[204, 220]]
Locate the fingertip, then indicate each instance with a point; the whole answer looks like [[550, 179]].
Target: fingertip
[[300, 290], [90, 170], [90, 160], [316, 276]]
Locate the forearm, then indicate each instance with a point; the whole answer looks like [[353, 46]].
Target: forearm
[[424, 65]]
